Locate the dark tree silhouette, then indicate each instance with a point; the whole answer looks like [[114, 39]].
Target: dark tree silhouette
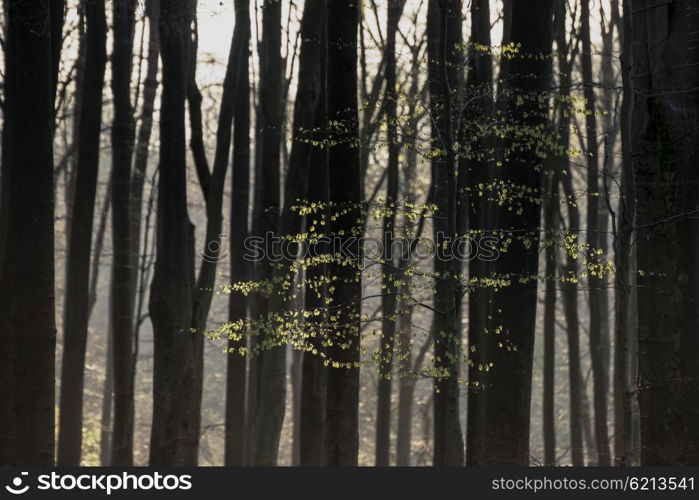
[[123, 133], [28, 330], [270, 384], [76, 309], [175, 431], [388, 300], [240, 268], [664, 143], [444, 35], [502, 423], [342, 407]]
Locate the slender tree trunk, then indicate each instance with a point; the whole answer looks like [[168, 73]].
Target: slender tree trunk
[[549, 390], [27, 323], [107, 404], [142, 150], [271, 364], [570, 305], [174, 431], [342, 408], [122, 310], [240, 268], [503, 420], [76, 304], [407, 378], [295, 376], [596, 276], [388, 300], [664, 141]]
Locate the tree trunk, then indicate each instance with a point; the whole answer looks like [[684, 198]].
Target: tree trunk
[[444, 33], [549, 334], [626, 421], [342, 409], [290, 222], [122, 307], [174, 433], [595, 275], [570, 305], [479, 209], [76, 304], [388, 299], [407, 377], [107, 404], [138, 176], [664, 140], [27, 323], [271, 363], [313, 371], [503, 404], [240, 268]]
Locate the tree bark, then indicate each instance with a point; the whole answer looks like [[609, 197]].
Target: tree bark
[[502, 422], [76, 304], [444, 33], [271, 363], [595, 275], [342, 408], [27, 323], [479, 209], [570, 306], [626, 421], [665, 152], [123, 130], [313, 371], [240, 268], [142, 150], [175, 432]]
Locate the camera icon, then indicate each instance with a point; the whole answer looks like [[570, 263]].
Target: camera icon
[[16, 487]]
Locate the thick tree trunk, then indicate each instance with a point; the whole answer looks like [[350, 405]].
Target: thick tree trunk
[[122, 306], [502, 422], [444, 33], [240, 268], [270, 391], [342, 409], [175, 432], [479, 208], [76, 304], [626, 411], [27, 322], [665, 142], [313, 371]]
